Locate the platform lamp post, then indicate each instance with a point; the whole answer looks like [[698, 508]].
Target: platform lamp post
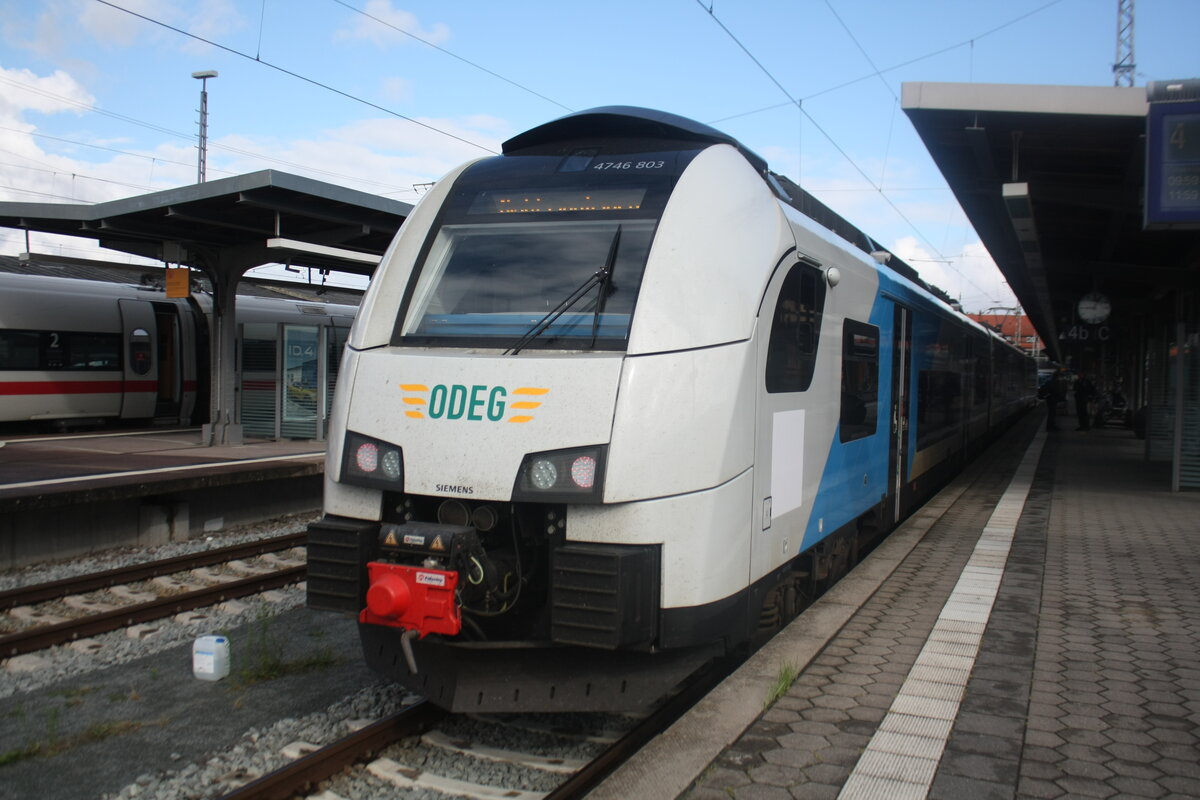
[[203, 77]]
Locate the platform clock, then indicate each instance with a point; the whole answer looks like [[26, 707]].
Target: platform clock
[[1093, 308]]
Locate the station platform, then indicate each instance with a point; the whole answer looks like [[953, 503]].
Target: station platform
[[68, 495], [1032, 632]]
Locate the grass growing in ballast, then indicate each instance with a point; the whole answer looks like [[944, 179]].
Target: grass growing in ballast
[[783, 681], [52, 742], [264, 655]]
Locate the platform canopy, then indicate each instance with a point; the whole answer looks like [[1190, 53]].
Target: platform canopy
[[224, 228], [244, 222], [1052, 179]]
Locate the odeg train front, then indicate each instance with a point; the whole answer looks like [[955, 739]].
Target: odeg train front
[[594, 424]]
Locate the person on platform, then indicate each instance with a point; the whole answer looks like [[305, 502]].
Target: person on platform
[[1052, 393], [1085, 392]]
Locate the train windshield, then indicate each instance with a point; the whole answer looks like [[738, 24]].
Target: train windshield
[[550, 258]]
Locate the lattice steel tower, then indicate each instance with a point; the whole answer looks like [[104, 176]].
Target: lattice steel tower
[[1123, 66]]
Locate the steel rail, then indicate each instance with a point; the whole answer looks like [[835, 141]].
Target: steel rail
[[624, 748], [52, 590], [39, 638], [307, 771]]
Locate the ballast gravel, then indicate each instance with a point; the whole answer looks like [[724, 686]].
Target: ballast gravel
[[261, 749], [164, 734], [49, 666], [116, 557]]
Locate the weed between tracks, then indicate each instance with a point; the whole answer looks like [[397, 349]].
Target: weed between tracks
[[265, 660], [52, 743]]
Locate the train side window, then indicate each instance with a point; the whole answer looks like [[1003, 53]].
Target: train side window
[[860, 380], [19, 350], [139, 351], [99, 351], [59, 350], [795, 330]]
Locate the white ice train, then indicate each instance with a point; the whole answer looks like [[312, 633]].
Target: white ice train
[[76, 352], [617, 402]]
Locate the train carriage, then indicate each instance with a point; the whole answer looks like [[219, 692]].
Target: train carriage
[[87, 352], [616, 404]]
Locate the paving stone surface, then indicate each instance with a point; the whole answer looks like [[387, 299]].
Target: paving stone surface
[[836, 704], [1115, 702], [1087, 679]]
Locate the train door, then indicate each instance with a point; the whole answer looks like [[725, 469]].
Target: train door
[[788, 458], [898, 450], [139, 393], [169, 352]]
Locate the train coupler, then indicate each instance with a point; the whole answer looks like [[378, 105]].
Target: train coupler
[[418, 599]]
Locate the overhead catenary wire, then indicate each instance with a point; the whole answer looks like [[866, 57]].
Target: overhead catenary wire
[[392, 188], [453, 55], [900, 65], [296, 75], [798, 102]]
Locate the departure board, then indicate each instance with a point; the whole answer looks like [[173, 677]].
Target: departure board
[[1173, 165]]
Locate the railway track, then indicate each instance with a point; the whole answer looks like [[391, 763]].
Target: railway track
[[132, 607], [424, 748]]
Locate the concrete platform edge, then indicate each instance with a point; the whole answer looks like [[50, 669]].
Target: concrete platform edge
[[672, 761]]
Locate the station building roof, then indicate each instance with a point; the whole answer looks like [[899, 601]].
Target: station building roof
[[1052, 179]]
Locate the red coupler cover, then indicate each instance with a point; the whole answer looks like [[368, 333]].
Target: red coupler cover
[[413, 598]]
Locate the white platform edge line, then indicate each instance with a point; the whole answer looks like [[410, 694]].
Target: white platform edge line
[[995, 540], [160, 470]]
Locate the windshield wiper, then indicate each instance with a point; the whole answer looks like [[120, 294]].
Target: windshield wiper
[[601, 277], [606, 285], [540, 327]]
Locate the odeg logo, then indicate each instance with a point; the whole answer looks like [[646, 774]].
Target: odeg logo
[[476, 403]]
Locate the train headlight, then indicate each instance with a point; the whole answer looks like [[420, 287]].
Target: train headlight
[[543, 474], [372, 462], [573, 476], [390, 464]]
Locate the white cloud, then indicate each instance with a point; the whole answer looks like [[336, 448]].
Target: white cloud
[[381, 156], [117, 28], [211, 19], [382, 29], [24, 90], [971, 277]]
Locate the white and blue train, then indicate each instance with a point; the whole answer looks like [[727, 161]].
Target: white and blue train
[[619, 400]]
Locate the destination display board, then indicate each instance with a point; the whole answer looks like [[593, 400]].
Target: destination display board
[[1173, 165]]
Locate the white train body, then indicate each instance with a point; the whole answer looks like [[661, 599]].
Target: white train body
[[75, 351], [713, 425]]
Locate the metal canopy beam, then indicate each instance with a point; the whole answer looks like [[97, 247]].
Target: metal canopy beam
[[1081, 152]]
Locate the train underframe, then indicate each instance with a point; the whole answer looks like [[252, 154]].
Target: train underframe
[[546, 624]]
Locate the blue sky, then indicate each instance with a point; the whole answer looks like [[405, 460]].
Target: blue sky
[[97, 103]]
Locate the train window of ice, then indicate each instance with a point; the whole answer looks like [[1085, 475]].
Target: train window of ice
[[55, 350], [139, 351], [19, 350], [495, 280], [860, 380], [795, 330], [98, 351]]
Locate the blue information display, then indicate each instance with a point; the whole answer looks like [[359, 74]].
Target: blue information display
[[1173, 165]]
